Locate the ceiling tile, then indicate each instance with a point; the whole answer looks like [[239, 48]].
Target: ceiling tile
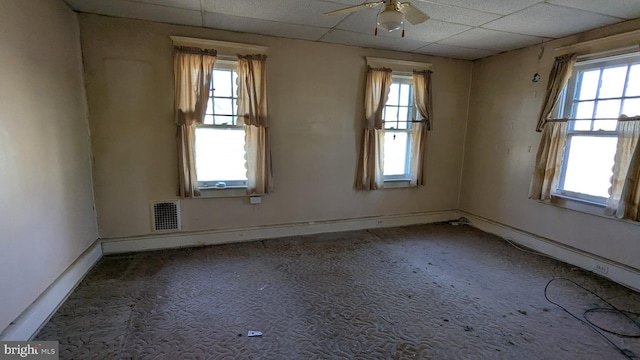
[[455, 14], [361, 21], [385, 42], [257, 26], [491, 40], [502, 7], [136, 10], [433, 30], [454, 52], [182, 4], [429, 31], [289, 11], [628, 9], [550, 21], [337, 3]]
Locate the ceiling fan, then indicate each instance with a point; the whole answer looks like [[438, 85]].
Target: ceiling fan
[[391, 17]]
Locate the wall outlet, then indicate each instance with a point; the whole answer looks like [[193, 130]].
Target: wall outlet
[[602, 269], [253, 200]]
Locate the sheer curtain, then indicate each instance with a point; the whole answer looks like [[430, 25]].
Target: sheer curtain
[[624, 197], [548, 160], [422, 97], [192, 71], [252, 109], [370, 171], [558, 77]]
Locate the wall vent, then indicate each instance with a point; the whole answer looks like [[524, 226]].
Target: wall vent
[[165, 215]]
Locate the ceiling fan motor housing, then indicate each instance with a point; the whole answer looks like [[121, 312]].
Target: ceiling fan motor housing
[[390, 18]]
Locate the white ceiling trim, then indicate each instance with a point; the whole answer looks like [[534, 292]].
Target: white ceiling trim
[[604, 44], [399, 65], [223, 47]]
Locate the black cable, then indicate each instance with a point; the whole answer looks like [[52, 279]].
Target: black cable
[[625, 352], [616, 311]]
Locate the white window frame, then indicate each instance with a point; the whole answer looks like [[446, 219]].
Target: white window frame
[[232, 65], [569, 102], [403, 78]]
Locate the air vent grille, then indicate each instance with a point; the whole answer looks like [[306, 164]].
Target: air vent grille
[[166, 215]]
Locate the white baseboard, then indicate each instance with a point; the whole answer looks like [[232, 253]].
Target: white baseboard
[[38, 313], [612, 270], [175, 240]]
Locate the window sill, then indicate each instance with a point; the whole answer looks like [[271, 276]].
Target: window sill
[[563, 197], [583, 206], [208, 193], [397, 184]]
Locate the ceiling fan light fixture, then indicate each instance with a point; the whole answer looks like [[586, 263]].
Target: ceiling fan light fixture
[[390, 20]]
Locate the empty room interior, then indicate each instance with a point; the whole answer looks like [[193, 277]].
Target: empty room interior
[[330, 179]]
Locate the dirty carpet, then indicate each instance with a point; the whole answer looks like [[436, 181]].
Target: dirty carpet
[[432, 291]]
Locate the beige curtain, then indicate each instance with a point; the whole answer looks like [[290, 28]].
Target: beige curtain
[[629, 206], [192, 71], [558, 77], [548, 160], [628, 133], [252, 109], [422, 97], [370, 171]]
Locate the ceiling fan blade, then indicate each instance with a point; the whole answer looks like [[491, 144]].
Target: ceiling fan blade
[[412, 14], [351, 9]]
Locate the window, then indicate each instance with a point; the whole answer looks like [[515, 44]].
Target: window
[[220, 140], [399, 111], [598, 92]]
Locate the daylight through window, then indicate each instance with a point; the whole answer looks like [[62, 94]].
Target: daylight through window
[[399, 111], [220, 140], [596, 95]]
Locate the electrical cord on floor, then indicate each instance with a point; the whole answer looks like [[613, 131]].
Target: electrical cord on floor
[[625, 352]]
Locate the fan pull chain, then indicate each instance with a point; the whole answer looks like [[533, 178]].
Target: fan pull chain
[[376, 32]]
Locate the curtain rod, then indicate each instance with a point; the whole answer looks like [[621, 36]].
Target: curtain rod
[[629, 118]]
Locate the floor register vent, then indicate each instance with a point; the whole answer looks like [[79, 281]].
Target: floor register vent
[[165, 215]]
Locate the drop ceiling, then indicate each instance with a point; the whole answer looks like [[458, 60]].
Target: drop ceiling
[[464, 29]]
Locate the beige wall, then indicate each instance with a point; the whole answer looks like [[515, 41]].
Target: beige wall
[[316, 108], [500, 151], [46, 203]]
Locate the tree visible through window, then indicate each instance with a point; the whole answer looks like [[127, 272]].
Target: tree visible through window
[[596, 95], [399, 111], [220, 141]]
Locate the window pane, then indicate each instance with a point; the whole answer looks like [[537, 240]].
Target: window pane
[[581, 125], [613, 82], [589, 165], [220, 154], [390, 116], [222, 83], [633, 85], [395, 152], [631, 107], [224, 120], [208, 119], [209, 106], [404, 94], [223, 106], [589, 84], [607, 109], [393, 94], [584, 110], [403, 113]]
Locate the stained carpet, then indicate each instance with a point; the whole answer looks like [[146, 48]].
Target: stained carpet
[[420, 292]]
